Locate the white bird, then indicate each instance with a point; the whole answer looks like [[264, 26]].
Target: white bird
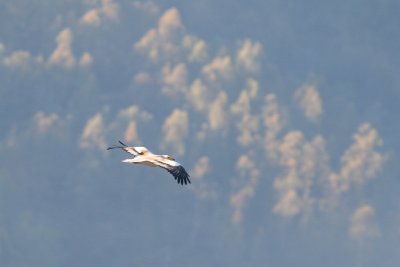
[[142, 155]]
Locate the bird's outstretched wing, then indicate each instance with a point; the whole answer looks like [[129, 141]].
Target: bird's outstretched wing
[[128, 149], [179, 173], [172, 166]]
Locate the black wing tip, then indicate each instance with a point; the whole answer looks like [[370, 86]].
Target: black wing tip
[[180, 175]]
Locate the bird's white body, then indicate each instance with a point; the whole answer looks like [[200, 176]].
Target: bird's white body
[[143, 156], [144, 162]]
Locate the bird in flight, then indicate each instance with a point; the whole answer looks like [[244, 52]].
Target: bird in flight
[[142, 155]]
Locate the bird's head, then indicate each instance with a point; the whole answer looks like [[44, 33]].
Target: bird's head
[[168, 157]]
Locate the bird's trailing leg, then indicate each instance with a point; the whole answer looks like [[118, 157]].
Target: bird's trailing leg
[[122, 143], [115, 146]]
